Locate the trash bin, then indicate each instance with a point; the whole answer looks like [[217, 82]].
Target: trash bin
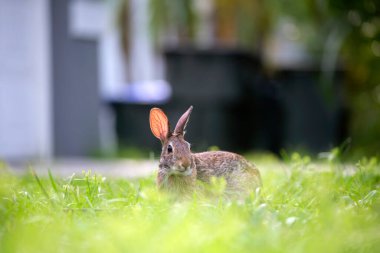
[[214, 81]]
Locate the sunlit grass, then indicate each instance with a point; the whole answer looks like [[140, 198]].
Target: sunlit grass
[[303, 207]]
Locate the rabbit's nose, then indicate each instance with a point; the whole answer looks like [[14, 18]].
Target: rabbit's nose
[[185, 163]]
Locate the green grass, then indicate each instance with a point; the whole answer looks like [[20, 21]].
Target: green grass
[[303, 207]]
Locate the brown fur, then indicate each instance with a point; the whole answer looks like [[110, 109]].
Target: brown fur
[[240, 175], [179, 168]]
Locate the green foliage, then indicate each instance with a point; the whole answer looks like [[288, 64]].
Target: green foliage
[[178, 16], [338, 34], [130, 152], [303, 207]]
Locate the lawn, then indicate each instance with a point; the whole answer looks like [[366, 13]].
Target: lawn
[[304, 206]]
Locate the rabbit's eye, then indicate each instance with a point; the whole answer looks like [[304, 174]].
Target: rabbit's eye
[[170, 149]]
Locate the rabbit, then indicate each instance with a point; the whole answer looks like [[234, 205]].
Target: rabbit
[[179, 168]]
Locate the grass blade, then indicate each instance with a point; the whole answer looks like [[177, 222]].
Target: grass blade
[[52, 181], [40, 185]]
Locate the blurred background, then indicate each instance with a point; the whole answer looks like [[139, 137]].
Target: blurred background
[[78, 77]]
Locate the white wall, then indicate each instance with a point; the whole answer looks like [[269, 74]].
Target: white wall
[[25, 120], [144, 64], [142, 55]]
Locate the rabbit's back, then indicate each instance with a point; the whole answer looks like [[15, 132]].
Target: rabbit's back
[[237, 171]]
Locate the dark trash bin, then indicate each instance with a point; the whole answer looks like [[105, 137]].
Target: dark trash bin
[[215, 81], [315, 120], [237, 107]]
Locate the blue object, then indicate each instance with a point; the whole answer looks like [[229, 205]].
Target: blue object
[[143, 92]]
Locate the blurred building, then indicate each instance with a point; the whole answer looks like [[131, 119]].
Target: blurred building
[[58, 59], [64, 66]]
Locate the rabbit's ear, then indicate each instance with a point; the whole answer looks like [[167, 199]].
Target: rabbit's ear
[[182, 122], [159, 124]]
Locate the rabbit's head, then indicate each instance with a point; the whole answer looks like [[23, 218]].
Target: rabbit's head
[[176, 155]]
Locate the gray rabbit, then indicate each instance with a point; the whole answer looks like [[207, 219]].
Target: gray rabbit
[[179, 168]]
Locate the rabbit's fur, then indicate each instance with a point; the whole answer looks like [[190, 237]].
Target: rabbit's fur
[[179, 168]]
